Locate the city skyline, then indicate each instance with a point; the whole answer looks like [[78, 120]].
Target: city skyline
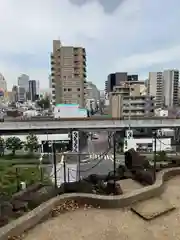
[[145, 47]]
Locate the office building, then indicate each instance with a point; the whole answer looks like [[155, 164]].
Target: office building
[[68, 74], [23, 87], [164, 86], [118, 78], [23, 82], [133, 77], [22, 95], [32, 90], [115, 79]]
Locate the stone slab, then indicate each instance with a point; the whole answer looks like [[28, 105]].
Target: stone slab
[[128, 185], [152, 208]]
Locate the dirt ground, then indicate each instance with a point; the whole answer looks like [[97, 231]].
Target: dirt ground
[[121, 224]]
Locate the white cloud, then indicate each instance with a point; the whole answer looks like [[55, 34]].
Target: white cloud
[[28, 27], [139, 61]]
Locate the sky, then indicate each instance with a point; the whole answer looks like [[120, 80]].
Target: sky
[[136, 36]]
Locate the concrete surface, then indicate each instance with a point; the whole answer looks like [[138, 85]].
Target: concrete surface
[[128, 185], [117, 224], [89, 124], [152, 208], [31, 219]]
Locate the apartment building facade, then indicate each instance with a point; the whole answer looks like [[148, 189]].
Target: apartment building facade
[[155, 87], [171, 87], [124, 106], [130, 99], [164, 86], [68, 74]]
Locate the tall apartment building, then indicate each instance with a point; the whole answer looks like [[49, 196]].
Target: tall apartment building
[[128, 101], [68, 74], [164, 87], [155, 87], [171, 87]]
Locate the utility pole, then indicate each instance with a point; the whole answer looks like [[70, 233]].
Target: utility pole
[[55, 164], [64, 166], [114, 165], [129, 117], [79, 166], [155, 154]]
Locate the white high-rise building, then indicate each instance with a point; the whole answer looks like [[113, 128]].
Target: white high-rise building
[[164, 86], [37, 87], [171, 87], [23, 82]]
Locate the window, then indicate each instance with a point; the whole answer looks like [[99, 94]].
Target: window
[[78, 89], [79, 95], [69, 89], [65, 89]]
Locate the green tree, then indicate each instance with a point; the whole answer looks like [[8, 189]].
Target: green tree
[[44, 103], [13, 144], [2, 146], [31, 143], [161, 156]]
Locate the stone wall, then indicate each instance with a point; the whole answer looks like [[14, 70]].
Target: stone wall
[[29, 220]]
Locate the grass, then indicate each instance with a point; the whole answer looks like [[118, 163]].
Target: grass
[[20, 156], [11, 176], [23, 159]]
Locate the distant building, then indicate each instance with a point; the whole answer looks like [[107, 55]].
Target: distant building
[[3, 84], [116, 79], [32, 90], [133, 77], [14, 94], [164, 86], [22, 95], [23, 82], [125, 104], [37, 87], [92, 96], [23, 87]]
